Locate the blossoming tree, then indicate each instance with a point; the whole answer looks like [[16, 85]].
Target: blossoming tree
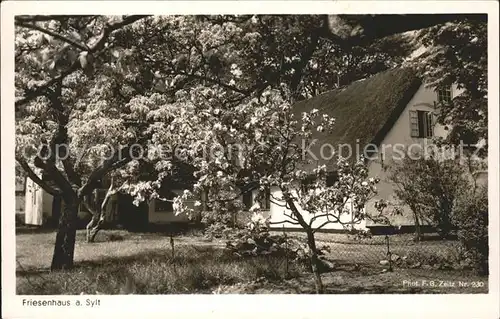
[[67, 113], [84, 83], [255, 145]]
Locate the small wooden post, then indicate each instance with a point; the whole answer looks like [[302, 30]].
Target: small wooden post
[[172, 246], [286, 251], [389, 254]]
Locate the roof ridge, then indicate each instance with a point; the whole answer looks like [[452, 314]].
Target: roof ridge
[[401, 68]]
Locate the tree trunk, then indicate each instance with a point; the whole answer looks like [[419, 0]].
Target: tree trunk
[[315, 262], [444, 228], [65, 239], [98, 216], [311, 242], [445, 225], [56, 210], [418, 231], [94, 226]]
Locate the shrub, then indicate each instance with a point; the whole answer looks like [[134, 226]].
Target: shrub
[[256, 240], [252, 243], [222, 220], [448, 259], [429, 186], [471, 218], [219, 230], [115, 237]]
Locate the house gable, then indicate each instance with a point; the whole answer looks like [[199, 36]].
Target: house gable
[[364, 112]]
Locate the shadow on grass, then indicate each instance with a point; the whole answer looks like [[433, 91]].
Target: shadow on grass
[[27, 229], [204, 269], [191, 270]]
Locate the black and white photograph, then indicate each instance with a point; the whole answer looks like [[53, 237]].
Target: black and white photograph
[[334, 152]]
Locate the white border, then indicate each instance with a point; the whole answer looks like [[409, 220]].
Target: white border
[[274, 306]]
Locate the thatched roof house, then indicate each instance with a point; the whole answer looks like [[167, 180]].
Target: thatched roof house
[[364, 111]]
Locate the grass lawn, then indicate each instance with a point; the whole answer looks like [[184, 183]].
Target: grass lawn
[[122, 262]]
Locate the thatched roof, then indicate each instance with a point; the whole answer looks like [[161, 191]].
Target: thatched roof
[[364, 111]]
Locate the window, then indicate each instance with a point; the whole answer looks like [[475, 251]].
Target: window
[[247, 199], [265, 201], [444, 95], [165, 205], [421, 124], [206, 206], [332, 178], [307, 183]]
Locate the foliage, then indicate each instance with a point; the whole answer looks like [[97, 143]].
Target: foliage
[[250, 53], [254, 243], [219, 230], [223, 214], [456, 53], [101, 72], [471, 218], [429, 185], [256, 240], [452, 258]]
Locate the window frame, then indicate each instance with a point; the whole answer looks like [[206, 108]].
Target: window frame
[[422, 124], [247, 196], [332, 178], [307, 183], [444, 95], [265, 200]]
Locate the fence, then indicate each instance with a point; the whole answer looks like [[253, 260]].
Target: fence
[[431, 261]]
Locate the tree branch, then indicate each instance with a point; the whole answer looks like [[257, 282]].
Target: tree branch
[[61, 181], [290, 216], [31, 174], [68, 165], [108, 165], [52, 34], [369, 28], [322, 225], [323, 215], [110, 28], [276, 203], [99, 44], [40, 90]]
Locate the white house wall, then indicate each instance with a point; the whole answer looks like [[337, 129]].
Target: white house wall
[[33, 204], [400, 133], [278, 212]]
